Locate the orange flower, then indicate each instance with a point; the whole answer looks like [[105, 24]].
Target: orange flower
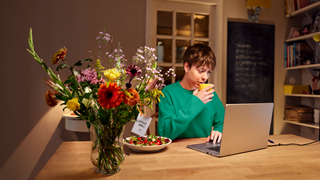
[[131, 97], [109, 95], [50, 98], [60, 54]]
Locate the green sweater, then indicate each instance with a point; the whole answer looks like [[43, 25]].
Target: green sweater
[[184, 115]]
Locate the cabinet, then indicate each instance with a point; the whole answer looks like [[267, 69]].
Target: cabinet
[[303, 74]]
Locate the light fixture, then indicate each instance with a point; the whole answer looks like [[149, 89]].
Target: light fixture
[[254, 7]]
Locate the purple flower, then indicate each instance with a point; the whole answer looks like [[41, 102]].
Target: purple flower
[[133, 71]]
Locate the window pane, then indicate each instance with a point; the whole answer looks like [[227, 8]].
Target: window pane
[[164, 23], [203, 42], [181, 46], [163, 71], [164, 53], [201, 25], [183, 24], [180, 73]]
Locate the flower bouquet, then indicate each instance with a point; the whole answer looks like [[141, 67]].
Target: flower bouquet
[[107, 97]]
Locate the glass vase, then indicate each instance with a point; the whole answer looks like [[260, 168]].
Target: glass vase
[[107, 151]]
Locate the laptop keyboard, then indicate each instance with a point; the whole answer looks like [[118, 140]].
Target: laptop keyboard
[[215, 148]]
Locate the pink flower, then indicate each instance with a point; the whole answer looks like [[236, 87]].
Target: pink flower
[[89, 75]]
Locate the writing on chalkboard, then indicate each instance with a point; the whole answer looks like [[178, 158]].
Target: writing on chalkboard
[[250, 63], [246, 60]]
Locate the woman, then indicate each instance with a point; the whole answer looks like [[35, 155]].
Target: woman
[[186, 112]]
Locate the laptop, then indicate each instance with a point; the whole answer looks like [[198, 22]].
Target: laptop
[[246, 128]]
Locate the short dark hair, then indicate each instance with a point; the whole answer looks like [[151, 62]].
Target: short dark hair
[[199, 55]]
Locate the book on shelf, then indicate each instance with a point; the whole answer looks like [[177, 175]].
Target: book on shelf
[[292, 55], [302, 3], [291, 6], [294, 5], [298, 53], [287, 55]]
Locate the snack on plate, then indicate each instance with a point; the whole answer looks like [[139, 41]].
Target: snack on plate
[[202, 86], [149, 140]]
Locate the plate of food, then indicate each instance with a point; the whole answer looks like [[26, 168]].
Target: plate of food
[[147, 143]]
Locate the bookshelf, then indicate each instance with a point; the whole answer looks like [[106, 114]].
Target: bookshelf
[[304, 37], [311, 125], [302, 17], [303, 67], [306, 10], [303, 95]]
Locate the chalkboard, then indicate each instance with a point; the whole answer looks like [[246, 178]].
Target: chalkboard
[[250, 63]]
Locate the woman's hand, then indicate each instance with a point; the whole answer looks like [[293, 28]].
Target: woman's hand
[[204, 95], [215, 136]]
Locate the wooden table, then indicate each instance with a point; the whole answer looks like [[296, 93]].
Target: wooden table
[[71, 162]]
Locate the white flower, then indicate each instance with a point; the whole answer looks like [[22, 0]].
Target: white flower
[[57, 87], [86, 102], [87, 90], [75, 73]]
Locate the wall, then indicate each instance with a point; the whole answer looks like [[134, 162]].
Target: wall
[[30, 131]]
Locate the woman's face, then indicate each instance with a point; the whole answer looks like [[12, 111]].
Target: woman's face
[[196, 75]]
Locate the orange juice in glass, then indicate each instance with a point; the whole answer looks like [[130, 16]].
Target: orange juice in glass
[[202, 86]]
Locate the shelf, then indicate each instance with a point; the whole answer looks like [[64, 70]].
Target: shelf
[[312, 125], [311, 8], [303, 95], [302, 67], [304, 37]]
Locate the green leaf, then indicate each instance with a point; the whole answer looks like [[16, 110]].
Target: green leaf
[[61, 66], [78, 63], [88, 124], [31, 40], [91, 118], [63, 98], [85, 60], [67, 81], [87, 95], [154, 65]]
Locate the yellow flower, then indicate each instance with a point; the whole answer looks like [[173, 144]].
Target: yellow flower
[[73, 104], [112, 74], [155, 94], [98, 65]]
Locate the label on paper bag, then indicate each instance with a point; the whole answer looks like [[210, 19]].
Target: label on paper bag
[[141, 125]]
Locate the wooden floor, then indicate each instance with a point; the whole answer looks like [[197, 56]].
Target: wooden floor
[[71, 161]]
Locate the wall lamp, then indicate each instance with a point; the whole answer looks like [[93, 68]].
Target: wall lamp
[[254, 7]]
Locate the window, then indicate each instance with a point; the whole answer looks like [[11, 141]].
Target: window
[[176, 30]]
